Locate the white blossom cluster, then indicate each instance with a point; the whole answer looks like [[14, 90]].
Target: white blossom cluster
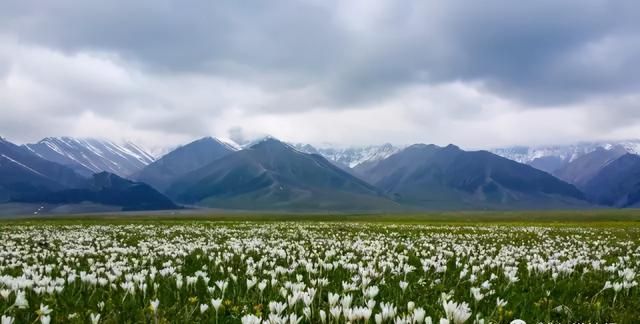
[[287, 272]]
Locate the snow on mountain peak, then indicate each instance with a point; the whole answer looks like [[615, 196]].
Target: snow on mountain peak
[[562, 153], [350, 156], [89, 155]]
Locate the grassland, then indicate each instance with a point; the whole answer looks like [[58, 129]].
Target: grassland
[[599, 217], [466, 267]]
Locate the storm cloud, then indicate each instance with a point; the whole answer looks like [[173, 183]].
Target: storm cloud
[[478, 74]]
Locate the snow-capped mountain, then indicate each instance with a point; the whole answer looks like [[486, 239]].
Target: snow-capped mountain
[[351, 156], [24, 173], [552, 158], [343, 156], [88, 156]]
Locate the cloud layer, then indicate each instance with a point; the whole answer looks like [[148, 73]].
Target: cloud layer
[[479, 75]]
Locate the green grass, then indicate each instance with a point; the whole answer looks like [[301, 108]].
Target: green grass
[[377, 246], [601, 217]]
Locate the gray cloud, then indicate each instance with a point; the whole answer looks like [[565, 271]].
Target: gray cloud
[[187, 70]]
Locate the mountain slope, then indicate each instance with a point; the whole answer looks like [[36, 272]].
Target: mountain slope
[[22, 172], [273, 175], [161, 173], [581, 170], [447, 177], [617, 184], [88, 156], [106, 189]]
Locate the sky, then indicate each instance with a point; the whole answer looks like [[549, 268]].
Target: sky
[[480, 74]]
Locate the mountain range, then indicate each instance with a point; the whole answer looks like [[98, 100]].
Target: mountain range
[[268, 174], [88, 156], [22, 172], [552, 158], [29, 178], [274, 175], [445, 177]]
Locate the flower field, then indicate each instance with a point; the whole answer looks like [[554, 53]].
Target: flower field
[[316, 272]]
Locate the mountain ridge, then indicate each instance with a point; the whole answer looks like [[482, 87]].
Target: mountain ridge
[[432, 175], [272, 174], [88, 155], [184, 159]]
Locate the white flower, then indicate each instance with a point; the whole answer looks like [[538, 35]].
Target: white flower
[[95, 318], [372, 292], [21, 300], [333, 299], [216, 303], [5, 319], [457, 313], [222, 285], [323, 316], [419, 314], [45, 319], [617, 286], [203, 308], [404, 285], [44, 310], [277, 308], [346, 301], [294, 319], [518, 321], [477, 295], [335, 312], [262, 285], [154, 305], [251, 283], [388, 311], [410, 306], [501, 302], [250, 319]]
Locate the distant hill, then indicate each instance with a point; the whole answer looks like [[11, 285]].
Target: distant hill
[[89, 156], [274, 175], [581, 170], [179, 162], [617, 184], [106, 189], [554, 157], [22, 172], [448, 177]]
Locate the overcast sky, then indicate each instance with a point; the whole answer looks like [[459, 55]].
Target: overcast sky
[[478, 74]]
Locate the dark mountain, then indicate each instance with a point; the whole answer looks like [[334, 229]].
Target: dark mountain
[[448, 177], [617, 184], [22, 172], [161, 173], [581, 170], [106, 189], [273, 175], [89, 156]]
